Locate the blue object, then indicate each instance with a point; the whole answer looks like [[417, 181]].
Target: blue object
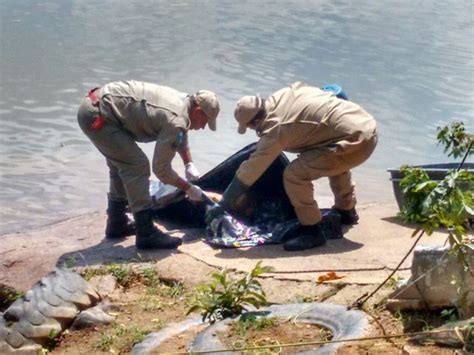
[[336, 89]]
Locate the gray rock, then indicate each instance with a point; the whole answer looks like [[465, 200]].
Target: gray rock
[[431, 283], [38, 333], [45, 311], [92, 317], [104, 284], [12, 342], [47, 291]]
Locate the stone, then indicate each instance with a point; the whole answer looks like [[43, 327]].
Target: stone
[[92, 317], [104, 284], [438, 280]]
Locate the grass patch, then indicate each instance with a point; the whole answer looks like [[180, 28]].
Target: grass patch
[[120, 337], [256, 331], [125, 274], [8, 295]]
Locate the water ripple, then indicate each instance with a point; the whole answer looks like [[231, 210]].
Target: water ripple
[[409, 63]]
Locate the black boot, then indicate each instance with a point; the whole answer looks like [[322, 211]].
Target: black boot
[[118, 223], [308, 237], [348, 217], [150, 237]]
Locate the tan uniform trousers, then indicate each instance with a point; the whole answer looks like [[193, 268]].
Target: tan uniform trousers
[[316, 163], [129, 167]]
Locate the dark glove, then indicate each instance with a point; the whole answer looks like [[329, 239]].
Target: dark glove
[[214, 212], [233, 192]]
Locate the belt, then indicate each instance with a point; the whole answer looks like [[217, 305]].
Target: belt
[[91, 95]]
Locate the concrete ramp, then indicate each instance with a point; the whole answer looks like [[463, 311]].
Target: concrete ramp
[[368, 252]]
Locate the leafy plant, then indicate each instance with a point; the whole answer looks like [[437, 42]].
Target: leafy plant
[[455, 139], [121, 272], [70, 262], [225, 297], [448, 203], [252, 322], [150, 277], [124, 274], [416, 186], [450, 314], [105, 342], [8, 295], [174, 289], [121, 337]]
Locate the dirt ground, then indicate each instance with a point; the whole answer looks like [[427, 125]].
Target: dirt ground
[[363, 258], [149, 304]]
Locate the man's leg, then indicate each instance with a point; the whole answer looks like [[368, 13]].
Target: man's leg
[[343, 189], [118, 224], [130, 169], [298, 177], [345, 201]]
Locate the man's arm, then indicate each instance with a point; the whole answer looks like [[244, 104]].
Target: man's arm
[[191, 172], [268, 149], [184, 151], [165, 150]]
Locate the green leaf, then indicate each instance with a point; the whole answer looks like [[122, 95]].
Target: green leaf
[[226, 297]]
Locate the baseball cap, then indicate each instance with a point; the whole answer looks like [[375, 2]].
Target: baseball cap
[[207, 100], [246, 109]]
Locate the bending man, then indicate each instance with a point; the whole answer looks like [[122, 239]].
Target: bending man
[[117, 116], [330, 135]]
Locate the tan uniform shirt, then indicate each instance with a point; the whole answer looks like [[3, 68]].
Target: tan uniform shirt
[[301, 118], [150, 112]]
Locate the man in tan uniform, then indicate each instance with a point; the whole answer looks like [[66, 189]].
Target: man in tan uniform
[[117, 116], [330, 136]]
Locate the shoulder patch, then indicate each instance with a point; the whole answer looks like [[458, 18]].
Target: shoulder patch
[[179, 139]]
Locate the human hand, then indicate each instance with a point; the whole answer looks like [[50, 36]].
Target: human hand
[[195, 193], [214, 212], [213, 196], [191, 172]]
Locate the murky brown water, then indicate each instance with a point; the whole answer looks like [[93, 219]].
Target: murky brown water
[[410, 63]]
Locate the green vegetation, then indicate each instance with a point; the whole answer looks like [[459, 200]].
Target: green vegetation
[[450, 314], [416, 321], [150, 277], [448, 203], [247, 326], [437, 204], [105, 342], [8, 295], [225, 297], [70, 262], [125, 274], [455, 139], [120, 337], [252, 322]]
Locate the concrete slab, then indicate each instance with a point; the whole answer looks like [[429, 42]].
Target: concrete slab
[[369, 251]]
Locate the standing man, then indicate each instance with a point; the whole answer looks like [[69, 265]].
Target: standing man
[[117, 116], [330, 136]]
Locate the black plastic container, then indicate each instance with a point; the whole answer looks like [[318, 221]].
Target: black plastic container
[[436, 172]]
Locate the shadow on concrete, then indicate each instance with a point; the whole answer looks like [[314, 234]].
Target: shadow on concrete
[[333, 246], [111, 251], [276, 250], [413, 226], [398, 221]]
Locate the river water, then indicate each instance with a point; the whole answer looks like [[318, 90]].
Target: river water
[[409, 63]]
